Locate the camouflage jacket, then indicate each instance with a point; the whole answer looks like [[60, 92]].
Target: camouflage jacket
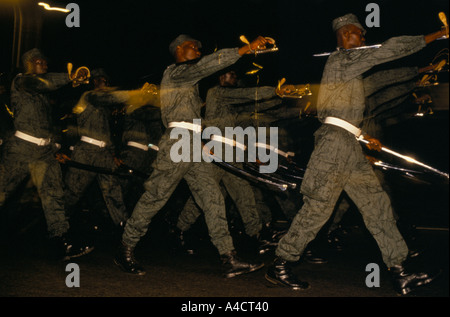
[[30, 102], [222, 104], [94, 111], [342, 93], [180, 98]]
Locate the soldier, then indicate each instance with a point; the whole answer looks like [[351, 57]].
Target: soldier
[[31, 149], [220, 101], [96, 148], [180, 105], [338, 163], [228, 105], [385, 91], [142, 130]]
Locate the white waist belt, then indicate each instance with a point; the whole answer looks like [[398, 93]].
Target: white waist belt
[[344, 125], [93, 141], [138, 145], [32, 139], [186, 125], [219, 138], [278, 151]]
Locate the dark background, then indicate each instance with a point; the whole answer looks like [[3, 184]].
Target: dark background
[[130, 39]]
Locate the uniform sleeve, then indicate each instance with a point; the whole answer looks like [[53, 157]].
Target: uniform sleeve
[[389, 98], [236, 96], [206, 66], [357, 62], [106, 98], [382, 79], [43, 83]]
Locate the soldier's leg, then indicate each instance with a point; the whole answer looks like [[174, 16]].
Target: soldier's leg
[[188, 215], [159, 187], [375, 206], [112, 194], [321, 188], [47, 177], [207, 194], [76, 182], [242, 195]]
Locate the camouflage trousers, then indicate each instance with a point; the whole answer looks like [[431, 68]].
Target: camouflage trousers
[[240, 192], [22, 158], [162, 183], [338, 164], [78, 180]]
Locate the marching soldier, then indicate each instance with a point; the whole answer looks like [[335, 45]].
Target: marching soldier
[[180, 105], [31, 150], [338, 164]]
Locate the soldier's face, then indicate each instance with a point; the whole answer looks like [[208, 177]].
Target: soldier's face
[[190, 50], [228, 79], [354, 37], [40, 66]]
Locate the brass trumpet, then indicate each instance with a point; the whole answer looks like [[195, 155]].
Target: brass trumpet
[[262, 50], [297, 91], [76, 78]]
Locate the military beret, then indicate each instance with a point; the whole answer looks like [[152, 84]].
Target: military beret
[[349, 18], [32, 55], [180, 40]]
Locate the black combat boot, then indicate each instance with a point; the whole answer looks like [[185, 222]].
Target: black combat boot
[[233, 265], [65, 248], [280, 272], [311, 256], [125, 260], [404, 282]]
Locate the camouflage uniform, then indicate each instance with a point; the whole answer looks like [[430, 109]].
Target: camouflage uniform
[[32, 116], [144, 132], [220, 112], [180, 101], [380, 105], [338, 163], [93, 122]]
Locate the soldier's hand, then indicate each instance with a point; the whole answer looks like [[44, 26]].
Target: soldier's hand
[[374, 144], [118, 161], [371, 159], [258, 43], [285, 90], [62, 158]]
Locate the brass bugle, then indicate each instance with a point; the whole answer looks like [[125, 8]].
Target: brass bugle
[[264, 50]]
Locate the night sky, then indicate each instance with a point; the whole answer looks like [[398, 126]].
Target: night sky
[[130, 38]]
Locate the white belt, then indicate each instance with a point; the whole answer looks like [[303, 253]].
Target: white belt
[[153, 147], [32, 139], [344, 125], [278, 151], [186, 125], [219, 138], [138, 145], [93, 141]]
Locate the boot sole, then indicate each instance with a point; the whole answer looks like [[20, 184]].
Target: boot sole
[[276, 282], [126, 271], [86, 251], [407, 290], [230, 275]]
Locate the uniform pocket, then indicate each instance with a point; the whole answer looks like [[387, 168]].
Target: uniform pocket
[[321, 180]]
